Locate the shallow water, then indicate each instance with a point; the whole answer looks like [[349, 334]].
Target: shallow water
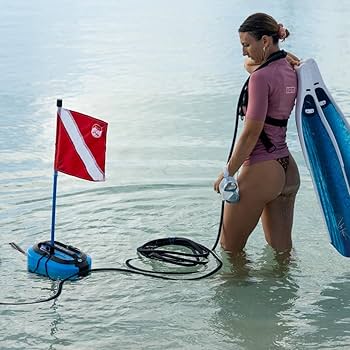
[[166, 77]]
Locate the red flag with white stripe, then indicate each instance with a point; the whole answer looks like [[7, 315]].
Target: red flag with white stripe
[[80, 145]]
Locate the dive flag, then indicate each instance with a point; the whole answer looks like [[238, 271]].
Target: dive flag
[[80, 145]]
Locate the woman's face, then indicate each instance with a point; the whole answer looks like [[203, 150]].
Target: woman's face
[[251, 47]]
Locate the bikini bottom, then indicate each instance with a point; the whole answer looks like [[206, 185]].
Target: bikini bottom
[[284, 161]]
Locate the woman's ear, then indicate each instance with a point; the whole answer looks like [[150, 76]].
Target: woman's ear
[[266, 41]]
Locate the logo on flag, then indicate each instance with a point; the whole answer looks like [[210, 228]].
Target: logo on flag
[[96, 131], [80, 145]]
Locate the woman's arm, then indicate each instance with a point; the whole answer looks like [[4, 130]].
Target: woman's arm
[[245, 145]]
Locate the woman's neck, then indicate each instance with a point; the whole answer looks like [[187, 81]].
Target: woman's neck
[[271, 50]]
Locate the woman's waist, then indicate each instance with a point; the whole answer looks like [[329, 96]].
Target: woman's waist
[[260, 153]]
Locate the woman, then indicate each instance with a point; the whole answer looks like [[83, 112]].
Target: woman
[[269, 178]]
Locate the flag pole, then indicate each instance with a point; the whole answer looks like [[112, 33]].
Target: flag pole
[[54, 195]]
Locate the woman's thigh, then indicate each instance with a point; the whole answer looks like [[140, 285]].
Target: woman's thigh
[[277, 217], [259, 184]]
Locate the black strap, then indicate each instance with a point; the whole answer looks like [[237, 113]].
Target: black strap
[[276, 122], [270, 147]]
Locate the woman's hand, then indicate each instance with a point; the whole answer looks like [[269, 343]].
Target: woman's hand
[[292, 59], [217, 182], [250, 65]]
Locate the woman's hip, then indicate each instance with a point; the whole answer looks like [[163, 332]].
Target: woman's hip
[[262, 181]]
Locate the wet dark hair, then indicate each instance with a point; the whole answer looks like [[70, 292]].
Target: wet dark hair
[[260, 24]]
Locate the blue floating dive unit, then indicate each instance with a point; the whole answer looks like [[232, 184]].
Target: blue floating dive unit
[[60, 261]]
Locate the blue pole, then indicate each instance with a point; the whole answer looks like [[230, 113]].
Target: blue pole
[[54, 194], [53, 217]]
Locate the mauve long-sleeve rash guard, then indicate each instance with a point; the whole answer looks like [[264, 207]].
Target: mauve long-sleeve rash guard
[[272, 92]]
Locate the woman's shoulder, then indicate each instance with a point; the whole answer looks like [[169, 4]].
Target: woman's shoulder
[[260, 75], [273, 70]]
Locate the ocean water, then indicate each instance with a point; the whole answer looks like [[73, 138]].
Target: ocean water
[[166, 76]]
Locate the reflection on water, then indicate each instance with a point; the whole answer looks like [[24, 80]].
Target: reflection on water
[[330, 315], [255, 300]]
